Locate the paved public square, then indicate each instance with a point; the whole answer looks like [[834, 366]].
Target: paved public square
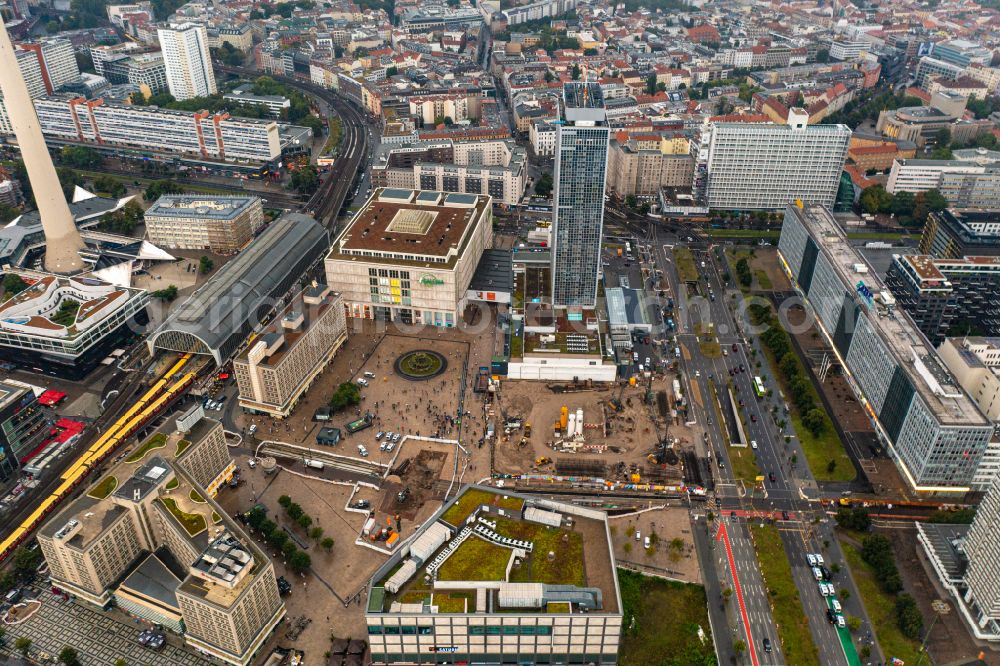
[[100, 638]]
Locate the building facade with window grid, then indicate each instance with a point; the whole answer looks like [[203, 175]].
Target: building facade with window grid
[[934, 431], [763, 166], [409, 255], [581, 165]]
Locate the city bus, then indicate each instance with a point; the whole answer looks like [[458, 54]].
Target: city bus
[[758, 387]]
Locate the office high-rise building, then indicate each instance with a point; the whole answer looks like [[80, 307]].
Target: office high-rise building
[[763, 166], [189, 66], [982, 578], [933, 429], [578, 204]]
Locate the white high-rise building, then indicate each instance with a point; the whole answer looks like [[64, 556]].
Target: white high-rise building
[[764, 166], [189, 66], [982, 577]]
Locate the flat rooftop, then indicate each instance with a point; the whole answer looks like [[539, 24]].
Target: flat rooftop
[[139, 470], [472, 539], [292, 324], [910, 349], [214, 207], [494, 273], [419, 226]]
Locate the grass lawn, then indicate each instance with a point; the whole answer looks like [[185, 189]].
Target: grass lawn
[[685, 264], [744, 464], [567, 566], [453, 603], [172, 483], [744, 233], [216, 518], [820, 450], [196, 496], [475, 498], [661, 622], [763, 281], [157, 441], [887, 236], [881, 609], [182, 446], [104, 488], [194, 523], [793, 627], [476, 559]]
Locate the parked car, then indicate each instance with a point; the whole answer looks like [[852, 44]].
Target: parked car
[[841, 622], [395, 437], [836, 606], [379, 435], [362, 450]]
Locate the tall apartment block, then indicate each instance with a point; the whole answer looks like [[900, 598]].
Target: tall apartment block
[[289, 354], [953, 234], [578, 201], [56, 62], [150, 539], [982, 579], [189, 65], [948, 296], [934, 431], [763, 166], [218, 224]]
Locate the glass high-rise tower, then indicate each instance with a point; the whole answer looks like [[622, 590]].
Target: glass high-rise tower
[[578, 205]]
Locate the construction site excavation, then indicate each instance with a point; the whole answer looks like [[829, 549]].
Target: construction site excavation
[[623, 436]]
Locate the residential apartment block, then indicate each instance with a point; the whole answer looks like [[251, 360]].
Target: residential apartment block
[[763, 166], [948, 296], [222, 225], [955, 233], [410, 255], [495, 168], [201, 134], [150, 538], [189, 65], [641, 167], [56, 62], [289, 354], [963, 184], [934, 431]]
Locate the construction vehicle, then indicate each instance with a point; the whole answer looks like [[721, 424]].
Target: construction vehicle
[[403, 494], [542, 461], [527, 430]]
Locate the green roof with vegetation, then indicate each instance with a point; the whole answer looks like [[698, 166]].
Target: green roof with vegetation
[[104, 488], [157, 441], [454, 602], [476, 559], [196, 496], [474, 498], [182, 446], [193, 523]]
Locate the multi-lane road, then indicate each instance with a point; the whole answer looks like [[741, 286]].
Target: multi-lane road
[[788, 495]]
